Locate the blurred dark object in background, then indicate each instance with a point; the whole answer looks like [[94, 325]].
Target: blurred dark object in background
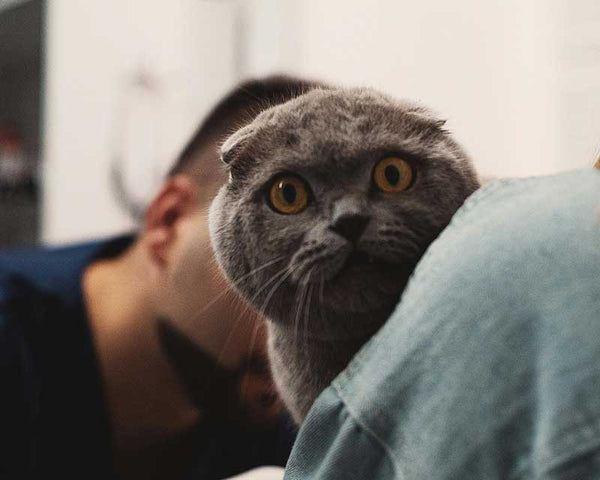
[[17, 168], [20, 120]]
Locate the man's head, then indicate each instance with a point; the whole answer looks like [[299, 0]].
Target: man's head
[[162, 312], [175, 233], [199, 160]]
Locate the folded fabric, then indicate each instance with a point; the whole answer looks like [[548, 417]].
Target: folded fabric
[[490, 366]]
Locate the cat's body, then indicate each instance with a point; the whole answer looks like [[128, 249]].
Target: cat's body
[[333, 198]]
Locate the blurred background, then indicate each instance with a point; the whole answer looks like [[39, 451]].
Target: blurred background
[[98, 97]]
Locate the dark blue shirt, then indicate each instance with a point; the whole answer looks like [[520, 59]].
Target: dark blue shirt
[[52, 409], [53, 415]]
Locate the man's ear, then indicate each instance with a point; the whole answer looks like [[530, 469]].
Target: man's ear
[[175, 198]]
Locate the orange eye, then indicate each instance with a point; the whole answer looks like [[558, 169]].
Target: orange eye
[[392, 175], [288, 195]]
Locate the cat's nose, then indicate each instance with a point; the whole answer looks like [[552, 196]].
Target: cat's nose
[[349, 219], [351, 227]]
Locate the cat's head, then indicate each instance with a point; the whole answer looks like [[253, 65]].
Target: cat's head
[[332, 199]]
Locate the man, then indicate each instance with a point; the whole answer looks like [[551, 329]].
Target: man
[[489, 367], [130, 357]]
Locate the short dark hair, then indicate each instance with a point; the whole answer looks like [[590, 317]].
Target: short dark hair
[[238, 108], [234, 110]]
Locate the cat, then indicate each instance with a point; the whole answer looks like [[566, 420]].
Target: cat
[[332, 199]]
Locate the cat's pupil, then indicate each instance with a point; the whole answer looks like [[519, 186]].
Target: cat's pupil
[[392, 175], [289, 193]]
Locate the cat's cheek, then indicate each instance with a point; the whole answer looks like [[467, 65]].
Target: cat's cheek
[[220, 235], [213, 218], [215, 213]]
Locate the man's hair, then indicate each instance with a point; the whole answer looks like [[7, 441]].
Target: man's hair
[[236, 109], [199, 158]]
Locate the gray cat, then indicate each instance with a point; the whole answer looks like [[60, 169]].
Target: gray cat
[[332, 199]]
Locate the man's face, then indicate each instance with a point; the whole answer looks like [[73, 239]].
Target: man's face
[[195, 296], [198, 301], [189, 279]]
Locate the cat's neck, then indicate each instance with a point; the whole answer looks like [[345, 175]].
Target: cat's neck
[[304, 366]]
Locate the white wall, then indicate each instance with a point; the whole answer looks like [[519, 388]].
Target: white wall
[[519, 81], [92, 112], [578, 61], [497, 69]]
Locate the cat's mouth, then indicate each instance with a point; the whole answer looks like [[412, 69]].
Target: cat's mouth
[[360, 257], [363, 266], [364, 283]]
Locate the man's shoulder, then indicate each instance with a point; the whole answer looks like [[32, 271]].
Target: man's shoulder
[[40, 261], [30, 277], [48, 376], [51, 268]]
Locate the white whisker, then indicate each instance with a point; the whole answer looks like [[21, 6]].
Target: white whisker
[[228, 291], [307, 316], [246, 308], [270, 294]]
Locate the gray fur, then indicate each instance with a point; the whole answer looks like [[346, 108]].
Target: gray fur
[[293, 267]]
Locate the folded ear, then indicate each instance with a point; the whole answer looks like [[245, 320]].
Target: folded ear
[[437, 123], [235, 143], [423, 114]]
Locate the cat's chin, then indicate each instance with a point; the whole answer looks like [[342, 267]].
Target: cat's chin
[[354, 303], [319, 322], [365, 287]]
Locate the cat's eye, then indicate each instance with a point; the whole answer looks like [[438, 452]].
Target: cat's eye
[[288, 194], [392, 175]]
